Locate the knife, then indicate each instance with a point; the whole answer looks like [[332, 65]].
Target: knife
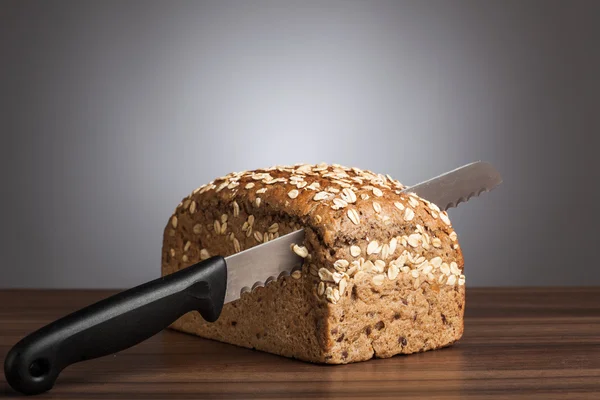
[[132, 316]]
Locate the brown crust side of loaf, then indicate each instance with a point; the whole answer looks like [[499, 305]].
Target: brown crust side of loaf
[[314, 316]]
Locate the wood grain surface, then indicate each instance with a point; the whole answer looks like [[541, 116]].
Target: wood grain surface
[[518, 343]]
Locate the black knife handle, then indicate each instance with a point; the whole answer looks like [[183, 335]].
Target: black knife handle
[[115, 324]]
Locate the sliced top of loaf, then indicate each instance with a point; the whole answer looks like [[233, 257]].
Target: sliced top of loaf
[[357, 222]]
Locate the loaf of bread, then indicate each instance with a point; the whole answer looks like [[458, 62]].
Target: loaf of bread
[[382, 272]]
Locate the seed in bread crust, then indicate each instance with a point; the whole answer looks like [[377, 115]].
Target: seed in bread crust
[[236, 208], [409, 214], [341, 264], [343, 284], [222, 186], [236, 245], [300, 250], [206, 188], [321, 288], [354, 251], [293, 193], [337, 277], [257, 176], [378, 279], [373, 247], [393, 245], [321, 196], [336, 294], [348, 195], [436, 262], [451, 280], [296, 274], [257, 202], [338, 203], [413, 202], [392, 272], [325, 275], [377, 192], [399, 205], [249, 185], [261, 191], [187, 246], [329, 294], [353, 216], [204, 254], [376, 207], [445, 269], [350, 272], [197, 229], [174, 221], [418, 260], [414, 239], [454, 268], [453, 236], [313, 186], [385, 251], [444, 218]]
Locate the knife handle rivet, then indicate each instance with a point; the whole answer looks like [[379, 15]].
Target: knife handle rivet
[[39, 368]]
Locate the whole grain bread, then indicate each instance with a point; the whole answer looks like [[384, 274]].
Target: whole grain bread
[[382, 272]]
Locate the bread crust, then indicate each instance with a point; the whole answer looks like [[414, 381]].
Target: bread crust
[[382, 274]]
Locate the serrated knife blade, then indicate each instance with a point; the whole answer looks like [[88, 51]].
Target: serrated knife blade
[[459, 185], [253, 266]]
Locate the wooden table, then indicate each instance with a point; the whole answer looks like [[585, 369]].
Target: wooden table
[[532, 343]]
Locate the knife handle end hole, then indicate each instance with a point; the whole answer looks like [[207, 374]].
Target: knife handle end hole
[[39, 368]]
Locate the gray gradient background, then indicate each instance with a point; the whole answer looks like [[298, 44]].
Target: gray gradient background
[[111, 112]]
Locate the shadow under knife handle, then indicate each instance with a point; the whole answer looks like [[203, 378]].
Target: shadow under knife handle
[[115, 323]]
